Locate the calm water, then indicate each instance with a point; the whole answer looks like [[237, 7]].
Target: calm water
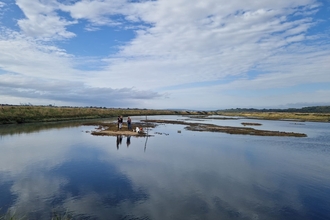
[[62, 169]]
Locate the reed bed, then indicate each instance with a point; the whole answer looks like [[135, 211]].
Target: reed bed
[[26, 114]]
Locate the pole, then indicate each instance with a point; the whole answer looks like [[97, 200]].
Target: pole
[[145, 144]]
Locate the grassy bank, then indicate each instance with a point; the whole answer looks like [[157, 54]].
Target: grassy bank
[[315, 117], [26, 114]]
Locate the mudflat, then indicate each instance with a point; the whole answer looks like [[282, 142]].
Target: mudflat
[[111, 129]]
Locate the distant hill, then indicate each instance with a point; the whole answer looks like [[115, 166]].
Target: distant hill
[[312, 109]]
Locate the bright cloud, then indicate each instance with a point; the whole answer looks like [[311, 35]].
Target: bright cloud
[[42, 20], [178, 51]]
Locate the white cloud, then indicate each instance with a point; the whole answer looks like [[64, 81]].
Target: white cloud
[[64, 92], [42, 21], [30, 57], [96, 12], [199, 46], [176, 43]]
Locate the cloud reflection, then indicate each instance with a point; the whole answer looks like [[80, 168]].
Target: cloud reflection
[[181, 176]]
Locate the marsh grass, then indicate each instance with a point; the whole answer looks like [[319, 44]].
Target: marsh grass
[[316, 117], [25, 114]]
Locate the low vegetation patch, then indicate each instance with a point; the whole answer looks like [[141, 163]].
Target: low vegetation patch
[[228, 129]]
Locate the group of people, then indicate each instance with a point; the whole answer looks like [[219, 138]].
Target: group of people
[[120, 123], [129, 124]]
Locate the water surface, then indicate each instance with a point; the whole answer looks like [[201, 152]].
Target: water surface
[[61, 168]]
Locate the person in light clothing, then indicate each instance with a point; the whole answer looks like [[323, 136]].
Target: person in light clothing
[[120, 122]]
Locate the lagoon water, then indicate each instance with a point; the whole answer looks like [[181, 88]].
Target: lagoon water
[[62, 170]]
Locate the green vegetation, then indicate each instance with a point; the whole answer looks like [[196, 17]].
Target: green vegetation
[[11, 129], [315, 117], [314, 113], [313, 109], [26, 114]]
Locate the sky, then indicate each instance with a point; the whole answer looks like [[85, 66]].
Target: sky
[[165, 54]]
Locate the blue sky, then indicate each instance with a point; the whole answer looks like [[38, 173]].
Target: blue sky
[[210, 54]]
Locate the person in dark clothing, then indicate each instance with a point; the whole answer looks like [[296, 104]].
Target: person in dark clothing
[[129, 123], [118, 122]]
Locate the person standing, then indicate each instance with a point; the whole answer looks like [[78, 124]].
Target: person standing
[[129, 125], [120, 122]]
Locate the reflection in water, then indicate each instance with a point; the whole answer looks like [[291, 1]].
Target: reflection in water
[[128, 141], [12, 129], [189, 175], [7, 198], [119, 140], [94, 183]]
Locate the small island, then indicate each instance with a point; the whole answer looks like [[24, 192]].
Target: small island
[[111, 129]]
